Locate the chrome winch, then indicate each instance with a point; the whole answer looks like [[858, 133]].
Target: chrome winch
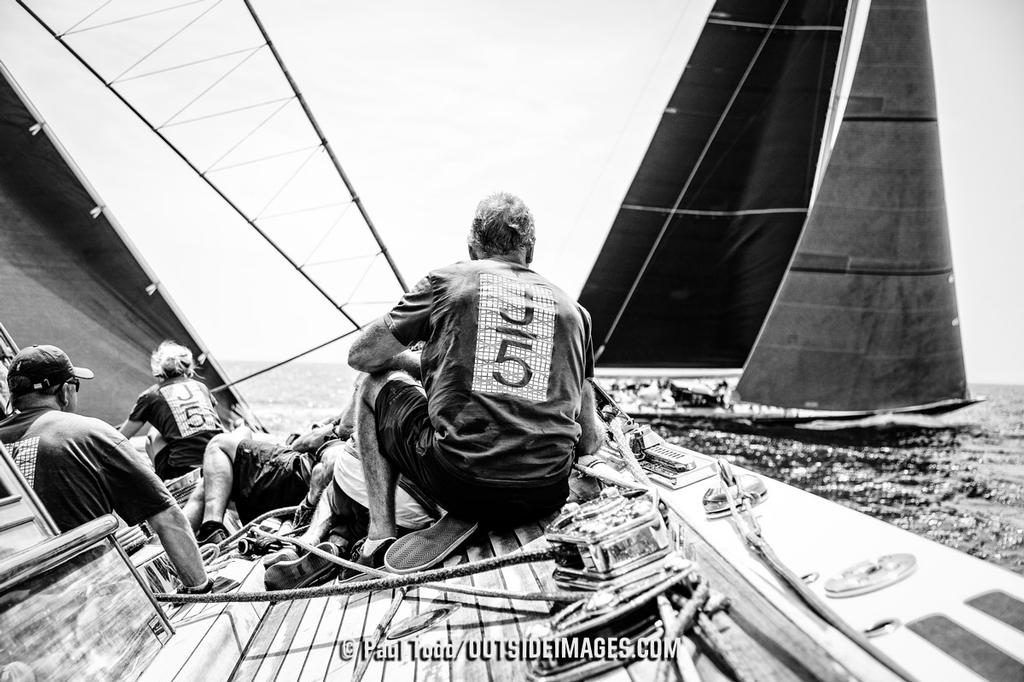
[[607, 538]]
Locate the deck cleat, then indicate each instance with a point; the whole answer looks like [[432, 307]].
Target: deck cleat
[[869, 576], [607, 538], [745, 489]]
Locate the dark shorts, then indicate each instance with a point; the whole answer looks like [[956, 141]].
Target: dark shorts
[[406, 438], [268, 476], [167, 471]]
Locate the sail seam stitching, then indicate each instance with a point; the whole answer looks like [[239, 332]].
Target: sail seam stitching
[[698, 212], [779, 27], [878, 272], [893, 119]]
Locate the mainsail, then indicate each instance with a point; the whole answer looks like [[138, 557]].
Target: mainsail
[[68, 275], [867, 318], [204, 76], [697, 251]]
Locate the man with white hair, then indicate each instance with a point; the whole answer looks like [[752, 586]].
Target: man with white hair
[[505, 402]]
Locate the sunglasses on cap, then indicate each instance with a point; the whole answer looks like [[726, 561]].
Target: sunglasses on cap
[[76, 382]]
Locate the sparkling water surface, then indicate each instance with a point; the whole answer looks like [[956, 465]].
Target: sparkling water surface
[[956, 479]]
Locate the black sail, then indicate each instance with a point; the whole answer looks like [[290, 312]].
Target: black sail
[[866, 318], [701, 242], [69, 279]]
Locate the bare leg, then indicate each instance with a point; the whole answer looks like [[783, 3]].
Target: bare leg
[[193, 509], [218, 473], [321, 476], [154, 444], [320, 523], [381, 476]]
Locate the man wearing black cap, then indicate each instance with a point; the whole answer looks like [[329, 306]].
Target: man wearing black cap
[[82, 468]]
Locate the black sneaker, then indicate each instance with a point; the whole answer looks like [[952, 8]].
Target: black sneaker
[[305, 572], [375, 560], [212, 533]]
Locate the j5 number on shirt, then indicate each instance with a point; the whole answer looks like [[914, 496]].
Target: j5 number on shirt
[[193, 412], [515, 332]]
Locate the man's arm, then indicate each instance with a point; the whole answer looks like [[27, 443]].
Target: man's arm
[[591, 431], [180, 544], [130, 427], [377, 350]]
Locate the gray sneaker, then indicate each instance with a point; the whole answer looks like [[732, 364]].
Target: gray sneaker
[[423, 549]]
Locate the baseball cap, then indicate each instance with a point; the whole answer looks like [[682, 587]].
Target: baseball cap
[[39, 367]]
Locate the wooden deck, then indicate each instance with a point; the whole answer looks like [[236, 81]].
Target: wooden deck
[[337, 637], [328, 638]]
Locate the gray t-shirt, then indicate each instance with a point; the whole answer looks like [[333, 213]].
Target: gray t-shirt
[[82, 468], [504, 362]]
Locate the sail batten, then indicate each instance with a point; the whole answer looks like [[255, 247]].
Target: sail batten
[[866, 318]]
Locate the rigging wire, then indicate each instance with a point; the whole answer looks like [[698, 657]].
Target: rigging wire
[[260, 159], [151, 52], [330, 151], [212, 85], [123, 20], [287, 183], [686, 185], [181, 155], [239, 143], [327, 233], [228, 112], [185, 65], [274, 366], [84, 19]]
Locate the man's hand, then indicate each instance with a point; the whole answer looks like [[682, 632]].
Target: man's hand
[[313, 440]]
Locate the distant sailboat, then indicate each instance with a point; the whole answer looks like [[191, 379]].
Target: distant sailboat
[[824, 270]]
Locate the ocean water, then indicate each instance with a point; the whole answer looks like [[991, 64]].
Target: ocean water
[[957, 479]]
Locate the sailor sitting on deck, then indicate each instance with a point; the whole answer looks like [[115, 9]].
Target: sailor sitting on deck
[[82, 468], [342, 516], [180, 407], [506, 401], [259, 475]]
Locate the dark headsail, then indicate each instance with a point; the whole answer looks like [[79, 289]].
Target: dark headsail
[[867, 318], [68, 278], [697, 251]]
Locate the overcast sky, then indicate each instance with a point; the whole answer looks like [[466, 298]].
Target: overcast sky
[[431, 106]]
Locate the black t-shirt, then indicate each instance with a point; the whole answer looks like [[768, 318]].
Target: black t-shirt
[[182, 410], [82, 468], [504, 363]]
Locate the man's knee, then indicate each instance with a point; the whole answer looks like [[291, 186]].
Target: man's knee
[[372, 384], [320, 475], [222, 444]]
